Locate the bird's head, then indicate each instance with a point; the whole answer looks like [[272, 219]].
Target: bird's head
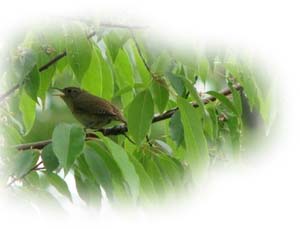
[[69, 94]]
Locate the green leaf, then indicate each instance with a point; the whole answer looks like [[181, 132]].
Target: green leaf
[[93, 79], [268, 109], [50, 161], [233, 69], [195, 95], [208, 126], [32, 179], [108, 159], [24, 162], [82, 166], [176, 128], [123, 91], [227, 103], [124, 76], [107, 79], [177, 83], [170, 169], [203, 68], [68, 142], [142, 70], [27, 108], [99, 78], [119, 187], [113, 43], [156, 176], [160, 94], [11, 135], [124, 69], [196, 145], [140, 114], [24, 63], [207, 122], [99, 169], [59, 184], [45, 82], [236, 99], [45, 52], [251, 91], [161, 64], [55, 37], [247, 80], [79, 50], [147, 187], [32, 83], [214, 119], [235, 133], [120, 190], [125, 165], [163, 147], [45, 197], [87, 189]]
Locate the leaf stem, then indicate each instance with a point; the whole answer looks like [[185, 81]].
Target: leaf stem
[[140, 53]]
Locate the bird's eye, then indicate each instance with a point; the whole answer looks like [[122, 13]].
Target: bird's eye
[[69, 90]]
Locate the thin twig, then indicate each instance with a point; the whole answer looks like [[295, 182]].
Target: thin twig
[[52, 61], [9, 92], [140, 53], [122, 26], [25, 174]]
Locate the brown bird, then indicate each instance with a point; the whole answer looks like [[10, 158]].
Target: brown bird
[[92, 111]]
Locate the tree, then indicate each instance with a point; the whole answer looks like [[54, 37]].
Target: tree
[[184, 110]]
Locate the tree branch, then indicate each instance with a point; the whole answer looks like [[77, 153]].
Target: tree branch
[[121, 129], [34, 145], [41, 69]]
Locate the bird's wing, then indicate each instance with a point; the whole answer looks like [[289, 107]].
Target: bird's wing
[[94, 105]]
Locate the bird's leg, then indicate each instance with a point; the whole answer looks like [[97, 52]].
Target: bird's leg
[[148, 141], [129, 139]]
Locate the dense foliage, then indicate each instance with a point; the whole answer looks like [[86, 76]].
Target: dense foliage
[[186, 111]]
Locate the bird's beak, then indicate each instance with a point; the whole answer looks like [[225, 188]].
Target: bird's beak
[[62, 94]]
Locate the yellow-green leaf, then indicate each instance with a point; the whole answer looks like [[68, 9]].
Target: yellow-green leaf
[[140, 116], [196, 146]]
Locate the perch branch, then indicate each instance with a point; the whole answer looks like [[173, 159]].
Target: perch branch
[[34, 145], [121, 129]]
